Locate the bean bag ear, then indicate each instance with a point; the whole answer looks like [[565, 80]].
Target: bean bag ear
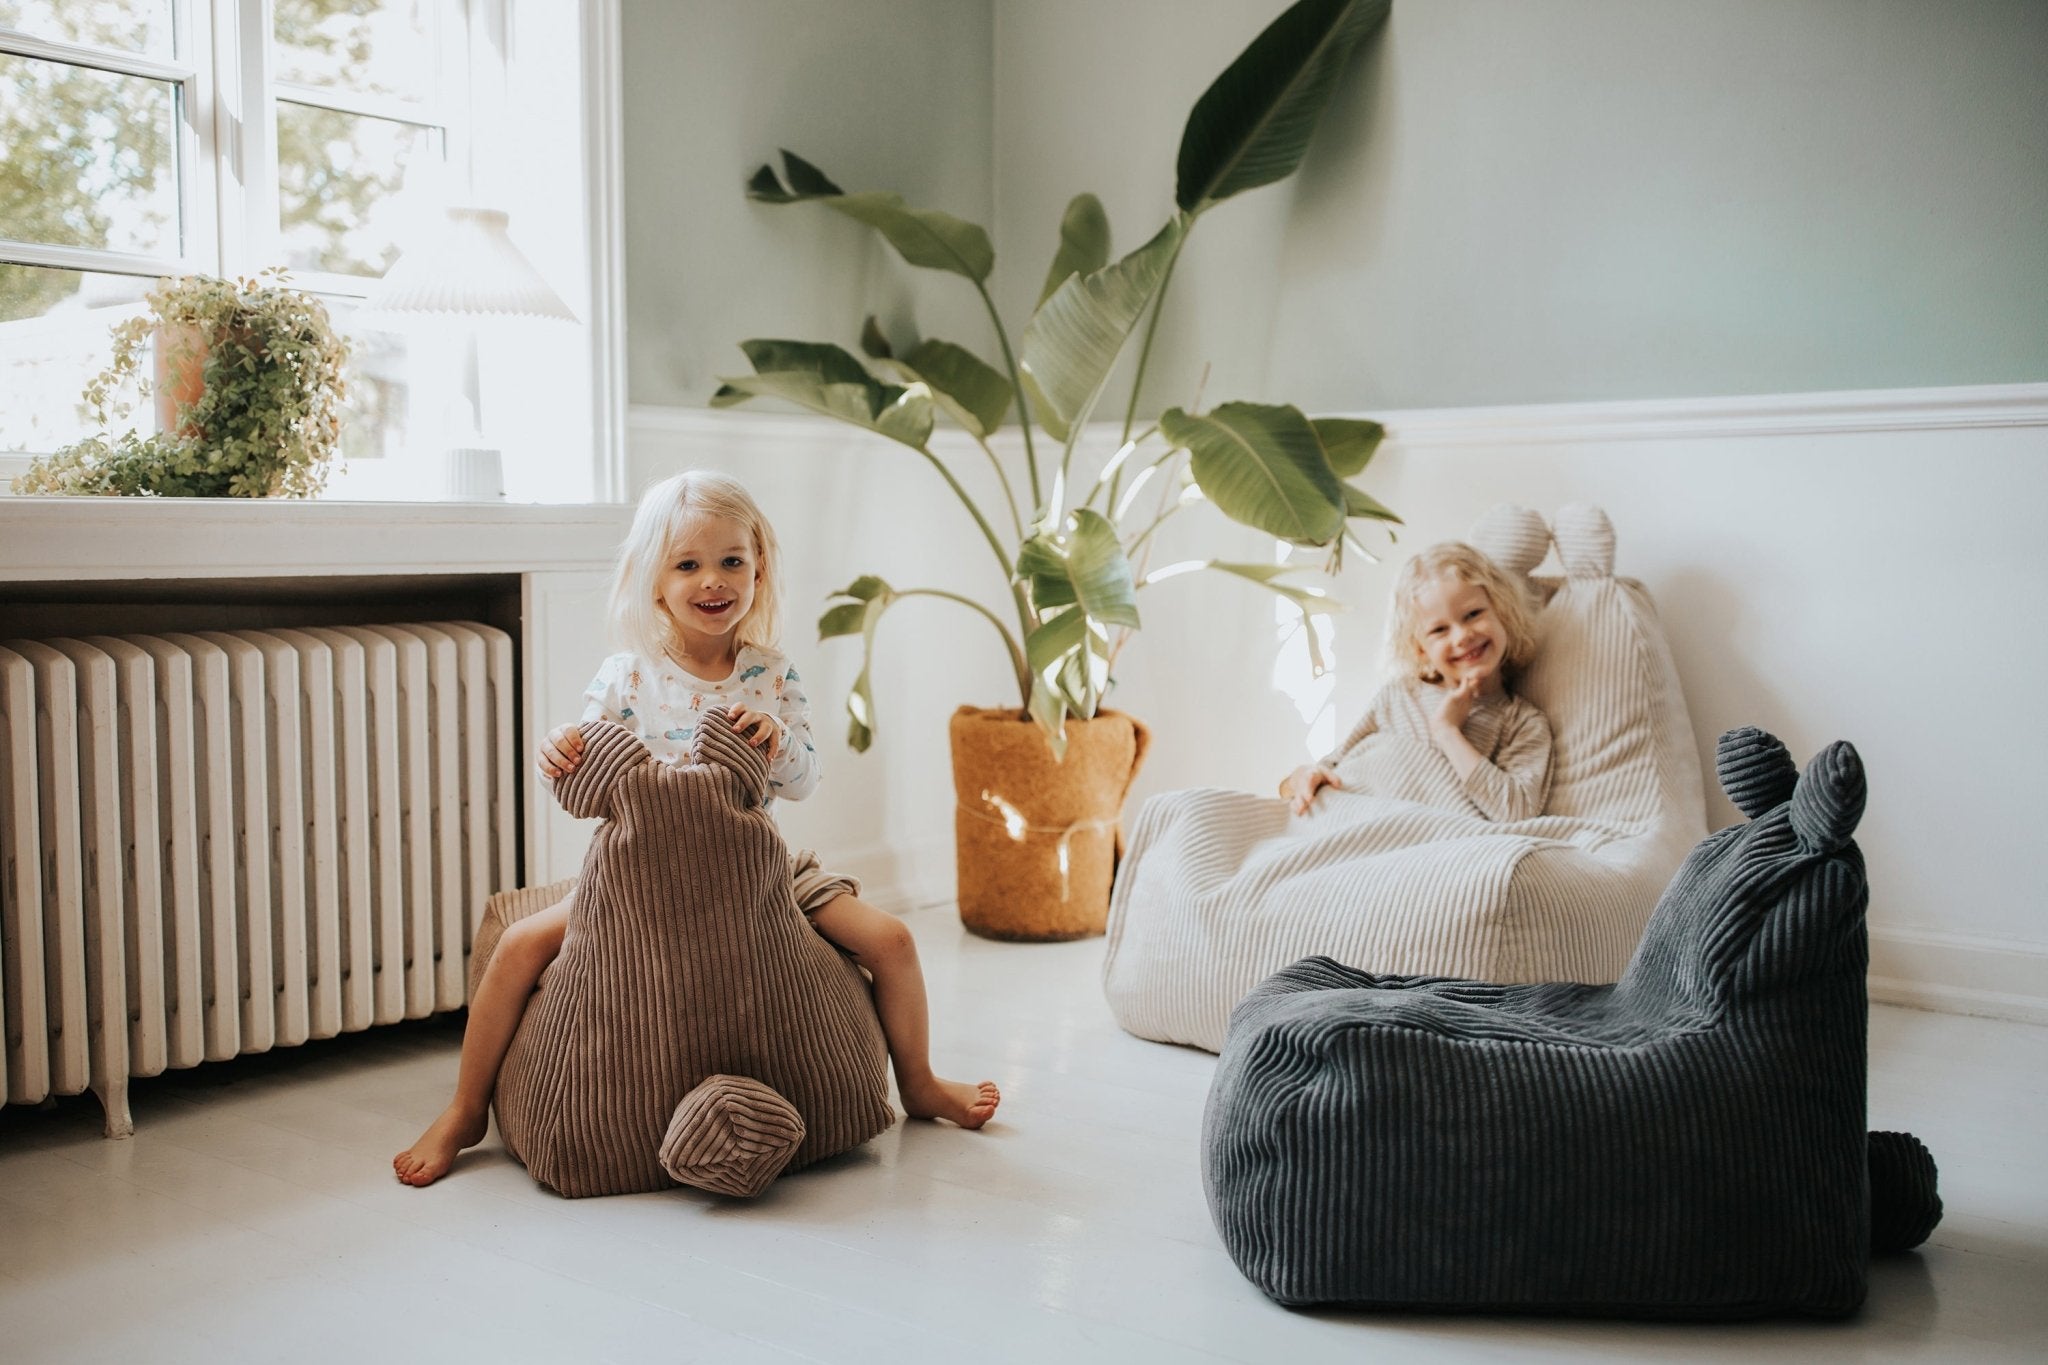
[[609, 753], [695, 1026], [1513, 537], [1688, 1142], [1829, 799], [1585, 541], [717, 742], [1755, 770]]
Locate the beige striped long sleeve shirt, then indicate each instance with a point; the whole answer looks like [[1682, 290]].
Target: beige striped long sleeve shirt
[[1390, 753]]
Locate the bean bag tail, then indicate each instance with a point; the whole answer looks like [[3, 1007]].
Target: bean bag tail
[[731, 1135]]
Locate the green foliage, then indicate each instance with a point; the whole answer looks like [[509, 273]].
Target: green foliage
[[78, 140], [1075, 568], [265, 422]]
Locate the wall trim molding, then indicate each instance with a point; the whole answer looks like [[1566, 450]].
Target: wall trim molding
[[1844, 412], [1959, 973]]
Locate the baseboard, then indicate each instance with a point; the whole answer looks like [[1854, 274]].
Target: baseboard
[[898, 877], [1960, 974]]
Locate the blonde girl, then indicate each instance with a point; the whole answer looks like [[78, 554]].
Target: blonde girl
[[1458, 634], [694, 600]]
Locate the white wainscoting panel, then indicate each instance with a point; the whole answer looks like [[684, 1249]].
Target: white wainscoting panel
[[1844, 565]]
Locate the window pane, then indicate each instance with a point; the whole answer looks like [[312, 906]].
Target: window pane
[[53, 338], [383, 47], [87, 158], [376, 417], [124, 25], [340, 186]]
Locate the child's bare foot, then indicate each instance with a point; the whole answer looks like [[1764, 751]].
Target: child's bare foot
[[955, 1101], [428, 1159]]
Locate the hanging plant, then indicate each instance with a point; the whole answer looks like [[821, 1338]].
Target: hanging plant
[[250, 376]]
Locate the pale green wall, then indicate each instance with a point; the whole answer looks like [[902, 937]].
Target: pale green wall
[[882, 94], [1513, 200], [1539, 200]]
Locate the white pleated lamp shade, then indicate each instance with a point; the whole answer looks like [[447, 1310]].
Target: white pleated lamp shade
[[469, 268]]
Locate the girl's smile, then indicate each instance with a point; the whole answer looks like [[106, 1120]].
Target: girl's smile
[[1458, 632], [707, 587]]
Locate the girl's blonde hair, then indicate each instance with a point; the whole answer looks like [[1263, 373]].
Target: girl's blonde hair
[[638, 619], [1511, 604]]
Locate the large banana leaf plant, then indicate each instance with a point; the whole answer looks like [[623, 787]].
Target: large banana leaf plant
[[1075, 554]]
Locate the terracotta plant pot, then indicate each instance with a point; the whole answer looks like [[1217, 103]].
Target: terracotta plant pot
[[180, 374], [1037, 837]]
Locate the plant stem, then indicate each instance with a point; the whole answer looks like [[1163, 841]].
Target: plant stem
[[1002, 557], [1017, 660], [1142, 548], [1016, 387], [1151, 329], [1016, 521], [1116, 479]]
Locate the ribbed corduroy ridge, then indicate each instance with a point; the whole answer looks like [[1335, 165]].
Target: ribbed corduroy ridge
[[731, 1135], [1905, 1203], [687, 956], [1686, 1142], [1219, 889]]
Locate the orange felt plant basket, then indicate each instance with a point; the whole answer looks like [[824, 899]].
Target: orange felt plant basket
[[1037, 837]]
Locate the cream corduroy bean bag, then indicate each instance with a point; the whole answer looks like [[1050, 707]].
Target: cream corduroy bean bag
[[1220, 888], [695, 1028]]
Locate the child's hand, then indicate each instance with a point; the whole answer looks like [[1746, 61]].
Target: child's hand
[[561, 751], [1458, 702], [1304, 782], [766, 729]]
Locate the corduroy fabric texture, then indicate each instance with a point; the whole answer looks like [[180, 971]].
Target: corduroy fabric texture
[[1222, 888], [1687, 1142], [731, 1135], [686, 959]]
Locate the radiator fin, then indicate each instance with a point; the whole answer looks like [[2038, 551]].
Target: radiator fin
[[220, 842]]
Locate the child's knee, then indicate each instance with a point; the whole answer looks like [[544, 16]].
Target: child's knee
[[891, 942], [532, 942]]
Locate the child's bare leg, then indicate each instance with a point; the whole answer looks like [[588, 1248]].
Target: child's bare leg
[[882, 943], [521, 956]]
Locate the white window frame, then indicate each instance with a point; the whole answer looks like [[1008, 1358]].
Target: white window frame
[[229, 212]]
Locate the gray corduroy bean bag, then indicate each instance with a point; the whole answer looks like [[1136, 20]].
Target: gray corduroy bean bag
[[1687, 1142], [695, 1028]]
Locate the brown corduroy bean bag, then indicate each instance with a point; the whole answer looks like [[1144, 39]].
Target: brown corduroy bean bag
[[695, 1028]]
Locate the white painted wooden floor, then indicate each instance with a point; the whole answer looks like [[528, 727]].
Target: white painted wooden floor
[[254, 1217]]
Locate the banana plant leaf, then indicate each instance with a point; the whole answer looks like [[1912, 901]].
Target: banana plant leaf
[[923, 237], [1359, 503], [1087, 565], [865, 599], [973, 392], [1252, 125], [1042, 408], [1348, 443], [829, 380], [1073, 340], [1084, 243], [1310, 601], [1048, 707], [1262, 465]]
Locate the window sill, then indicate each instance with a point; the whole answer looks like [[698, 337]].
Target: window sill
[[68, 538]]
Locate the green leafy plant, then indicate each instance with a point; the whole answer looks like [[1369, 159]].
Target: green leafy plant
[[1076, 566], [263, 421]]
